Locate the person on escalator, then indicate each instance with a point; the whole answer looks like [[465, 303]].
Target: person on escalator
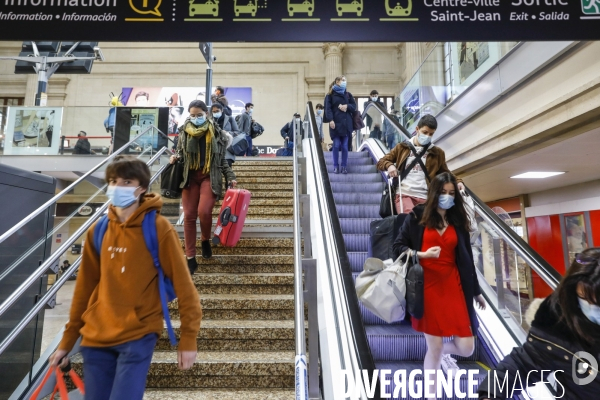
[[402, 162], [339, 106], [438, 231], [287, 133], [566, 325], [116, 306], [202, 147]]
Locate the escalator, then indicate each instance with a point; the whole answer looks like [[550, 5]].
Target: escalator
[[503, 262]]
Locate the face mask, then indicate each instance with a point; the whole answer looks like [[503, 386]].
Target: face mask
[[424, 139], [297, 119], [121, 196], [198, 120], [319, 112], [343, 84], [374, 98], [591, 311], [217, 115], [446, 201], [250, 111]]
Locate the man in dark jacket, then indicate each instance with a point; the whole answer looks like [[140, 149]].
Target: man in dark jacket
[[287, 133], [228, 125], [373, 116], [219, 97], [245, 125], [83, 145]]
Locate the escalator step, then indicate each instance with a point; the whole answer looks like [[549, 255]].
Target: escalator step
[[352, 154], [366, 178], [355, 225], [342, 187], [356, 242], [357, 260], [358, 211], [357, 198]]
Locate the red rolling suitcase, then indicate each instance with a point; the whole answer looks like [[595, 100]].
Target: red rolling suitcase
[[232, 216]]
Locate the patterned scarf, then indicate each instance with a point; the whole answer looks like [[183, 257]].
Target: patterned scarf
[[192, 147]]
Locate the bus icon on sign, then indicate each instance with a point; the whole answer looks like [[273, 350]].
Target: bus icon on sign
[[590, 7]]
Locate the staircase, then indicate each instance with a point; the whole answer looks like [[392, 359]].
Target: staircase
[[357, 196], [246, 343]]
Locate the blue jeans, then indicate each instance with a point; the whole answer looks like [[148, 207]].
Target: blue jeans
[[118, 372], [249, 140], [340, 143], [390, 141]]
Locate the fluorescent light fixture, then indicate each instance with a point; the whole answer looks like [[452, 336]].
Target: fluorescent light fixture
[[536, 175]]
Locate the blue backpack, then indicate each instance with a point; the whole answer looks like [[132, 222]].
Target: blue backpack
[[165, 286]]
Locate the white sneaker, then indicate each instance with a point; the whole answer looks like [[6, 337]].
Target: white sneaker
[[449, 364]]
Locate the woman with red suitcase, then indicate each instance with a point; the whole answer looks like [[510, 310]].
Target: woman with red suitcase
[[201, 147]]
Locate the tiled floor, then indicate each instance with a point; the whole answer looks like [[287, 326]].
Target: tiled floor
[[56, 318]]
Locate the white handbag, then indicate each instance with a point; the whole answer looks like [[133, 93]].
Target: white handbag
[[381, 287], [470, 209]]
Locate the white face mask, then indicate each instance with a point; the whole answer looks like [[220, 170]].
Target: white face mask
[[374, 98], [424, 139], [591, 311]]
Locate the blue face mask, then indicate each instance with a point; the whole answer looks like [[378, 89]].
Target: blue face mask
[[198, 120], [217, 115], [319, 112], [250, 111], [121, 196], [446, 201], [423, 139], [374, 98], [591, 311], [343, 84]]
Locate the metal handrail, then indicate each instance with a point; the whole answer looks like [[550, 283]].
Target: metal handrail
[[298, 281], [522, 248], [38, 273], [61, 281], [54, 199]]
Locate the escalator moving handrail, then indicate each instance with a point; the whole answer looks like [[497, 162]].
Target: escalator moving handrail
[[41, 270], [65, 277], [363, 350], [54, 199], [546, 271]]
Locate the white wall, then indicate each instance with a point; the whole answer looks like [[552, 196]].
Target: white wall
[[575, 198]]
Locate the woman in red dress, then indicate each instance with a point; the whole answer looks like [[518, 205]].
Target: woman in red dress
[[438, 232]]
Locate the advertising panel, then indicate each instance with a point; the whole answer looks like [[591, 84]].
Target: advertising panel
[[33, 130]]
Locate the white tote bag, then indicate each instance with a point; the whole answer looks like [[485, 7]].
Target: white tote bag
[[470, 209], [381, 287]]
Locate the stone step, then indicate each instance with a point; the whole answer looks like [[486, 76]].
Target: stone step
[[239, 260], [243, 306], [258, 168], [219, 394], [261, 163], [271, 187], [237, 335], [222, 369], [260, 178], [261, 283], [246, 269], [258, 242], [273, 210], [273, 172]]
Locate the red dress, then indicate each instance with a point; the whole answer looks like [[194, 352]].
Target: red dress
[[445, 312]]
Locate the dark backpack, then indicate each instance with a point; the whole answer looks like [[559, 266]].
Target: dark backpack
[[238, 119], [165, 286], [256, 130], [239, 146]]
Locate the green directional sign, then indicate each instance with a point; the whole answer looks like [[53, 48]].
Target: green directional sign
[[590, 7]]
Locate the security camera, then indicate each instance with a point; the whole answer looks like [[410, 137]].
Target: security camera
[[98, 54]]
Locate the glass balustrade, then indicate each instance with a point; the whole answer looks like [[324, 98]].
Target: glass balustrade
[[51, 131]]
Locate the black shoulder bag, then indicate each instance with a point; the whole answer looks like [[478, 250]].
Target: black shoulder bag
[[415, 298]]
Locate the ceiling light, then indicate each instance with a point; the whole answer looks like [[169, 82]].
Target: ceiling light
[[536, 175]]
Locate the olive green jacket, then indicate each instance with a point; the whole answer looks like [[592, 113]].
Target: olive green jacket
[[218, 165]]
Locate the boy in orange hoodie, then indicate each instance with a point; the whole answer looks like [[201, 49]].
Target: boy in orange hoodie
[[116, 305]]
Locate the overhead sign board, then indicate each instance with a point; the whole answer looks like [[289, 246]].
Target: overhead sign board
[[299, 20]]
